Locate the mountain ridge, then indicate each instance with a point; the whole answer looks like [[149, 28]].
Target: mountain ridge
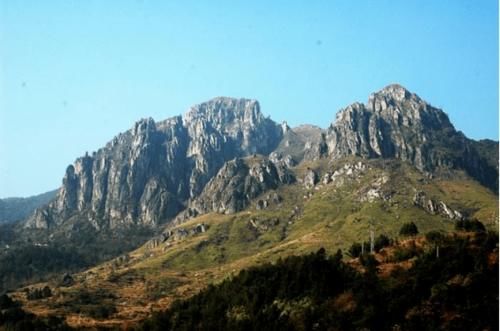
[[14, 209], [132, 180]]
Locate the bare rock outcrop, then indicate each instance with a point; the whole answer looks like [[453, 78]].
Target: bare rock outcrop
[[147, 175], [436, 207]]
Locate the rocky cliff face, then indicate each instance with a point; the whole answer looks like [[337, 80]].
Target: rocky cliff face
[[238, 182], [396, 123], [305, 142], [146, 175], [223, 129]]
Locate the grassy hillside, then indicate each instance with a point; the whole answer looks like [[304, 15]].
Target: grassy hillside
[[456, 290], [373, 195]]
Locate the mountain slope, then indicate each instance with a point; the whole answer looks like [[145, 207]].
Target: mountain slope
[[16, 209], [149, 174], [353, 197], [455, 290]]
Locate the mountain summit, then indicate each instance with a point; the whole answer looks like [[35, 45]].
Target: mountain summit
[[396, 123]]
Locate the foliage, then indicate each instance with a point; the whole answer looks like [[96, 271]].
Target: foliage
[[33, 261], [458, 290], [408, 229], [12, 317], [381, 241], [434, 236], [6, 302], [470, 225], [354, 250], [39, 293]]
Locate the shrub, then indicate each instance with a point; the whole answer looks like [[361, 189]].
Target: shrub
[[39, 293], [354, 250], [102, 311], [408, 229], [470, 225], [404, 253], [434, 236], [381, 241], [6, 302]]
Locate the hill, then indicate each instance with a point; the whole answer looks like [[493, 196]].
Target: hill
[[16, 209]]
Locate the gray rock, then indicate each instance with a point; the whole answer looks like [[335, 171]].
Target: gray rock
[[238, 182], [436, 207], [148, 174], [396, 123], [310, 178]]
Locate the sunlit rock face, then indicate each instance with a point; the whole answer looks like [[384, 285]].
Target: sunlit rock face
[[396, 123], [238, 182], [147, 174]]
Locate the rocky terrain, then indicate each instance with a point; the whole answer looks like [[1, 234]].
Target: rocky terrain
[[329, 205], [396, 123]]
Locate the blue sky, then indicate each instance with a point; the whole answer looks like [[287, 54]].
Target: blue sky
[[75, 73]]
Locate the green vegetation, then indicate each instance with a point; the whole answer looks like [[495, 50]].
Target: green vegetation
[[96, 303], [458, 290], [408, 229], [31, 263], [331, 215], [15, 209], [470, 225], [35, 261]]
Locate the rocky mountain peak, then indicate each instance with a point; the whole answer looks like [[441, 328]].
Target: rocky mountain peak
[[147, 174], [143, 126], [396, 123], [223, 113], [239, 181], [398, 105], [395, 92]]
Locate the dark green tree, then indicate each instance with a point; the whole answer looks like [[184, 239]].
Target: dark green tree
[[408, 229]]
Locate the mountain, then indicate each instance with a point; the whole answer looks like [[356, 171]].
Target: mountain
[[396, 123], [177, 204], [16, 209], [146, 175]]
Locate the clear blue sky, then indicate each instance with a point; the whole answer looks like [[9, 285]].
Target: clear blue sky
[[75, 73]]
